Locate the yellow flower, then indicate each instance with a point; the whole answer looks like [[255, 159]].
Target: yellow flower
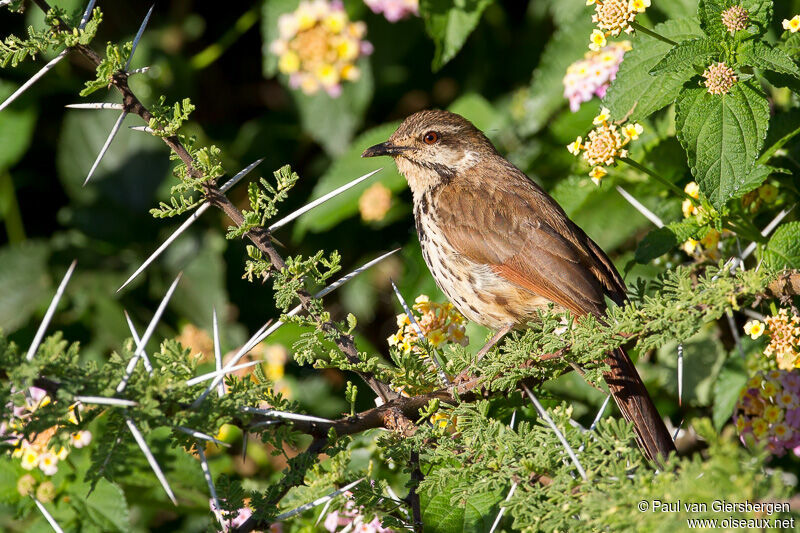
[[575, 147], [639, 5], [598, 40], [769, 389], [692, 189], [336, 21], [688, 208], [603, 117], [773, 414], [632, 131], [597, 174], [48, 463], [436, 337], [347, 49], [327, 75], [754, 328], [351, 72], [289, 63], [690, 246], [30, 459], [62, 453], [305, 16], [439, 419], [792, 24], [760, 427]]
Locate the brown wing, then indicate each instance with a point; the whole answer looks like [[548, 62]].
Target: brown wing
[[525, 237]]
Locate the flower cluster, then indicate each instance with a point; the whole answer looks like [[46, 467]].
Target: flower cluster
[[719, 79], [792, 24], [605, 144], [351, 519], [735, 19], [784, 337], [394, 10], [440, 323], [318, 47], [613, 17], [768, 411], [375, 202], [591, 76], [230, 521], [41, 452]]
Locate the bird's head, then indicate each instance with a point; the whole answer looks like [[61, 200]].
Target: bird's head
[[433, 147]]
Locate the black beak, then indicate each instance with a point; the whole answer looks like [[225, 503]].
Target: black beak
[[386, 148]]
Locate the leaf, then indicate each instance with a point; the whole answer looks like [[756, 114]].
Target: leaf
[[783, 128], [754, 179], [16, 128], [104, 507], [449, 23], [710, 12], [662, 240], [783, 248], [332, 122], [635, 93], [270, 11], [24, 283], [722, 135], [471, 516], [732, 378], [687, 53], [763, 56]]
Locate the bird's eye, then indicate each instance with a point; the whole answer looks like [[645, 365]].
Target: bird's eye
[[431, 137]]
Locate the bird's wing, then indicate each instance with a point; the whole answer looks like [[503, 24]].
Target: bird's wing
[[541, 251]]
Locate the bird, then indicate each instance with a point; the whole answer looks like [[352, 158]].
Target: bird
[[501, 249]]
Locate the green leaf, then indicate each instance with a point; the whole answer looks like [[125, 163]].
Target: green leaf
[[710, 12], [635, 93], [763, 56], [470, 516], [24, 283], [333, 121], [449, 23], [722, 135], [691, 52], [270, 11], [732, 378], [754, 179], [16, 128], [662, 240], [783, 128], [783, 248], [104, 507]]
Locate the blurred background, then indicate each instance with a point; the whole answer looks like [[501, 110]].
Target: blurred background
[[507, 79]]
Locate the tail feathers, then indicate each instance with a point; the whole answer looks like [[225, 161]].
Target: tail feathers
[[637, 407]]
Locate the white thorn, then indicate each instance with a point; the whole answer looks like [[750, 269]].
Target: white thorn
[[141, 70], [418, 328], [48, 517], [558, 433], [210, 482], [136, 340], [318, 501], [217, 352], [677, 430], [503, 509], [200, 435], [25, 86], [600, 413], [321, 200], [344, 279], [150, 459], [189, 221], [680, 373], [139, 36], [104, 149], [513, 419], [649, 215], [221, 372], [37, 339], [151, 327], [766, 231], [97, 105], [323, 512], [145, 129], [102, 400], [86, 14], [286, 415]]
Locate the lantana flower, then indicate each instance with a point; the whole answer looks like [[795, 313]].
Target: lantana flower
[[605, 144], [783, 331], [613, 17], [351, 519], [440, 323], [720, 78], [318, 47], [735, 19], [374, 203], [592, 75], [792, 25], [394, 10], [768, 411]]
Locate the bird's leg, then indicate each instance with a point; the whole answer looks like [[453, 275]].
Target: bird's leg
[[494, 340]]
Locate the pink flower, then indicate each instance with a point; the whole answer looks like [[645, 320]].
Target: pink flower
[[592, 75], [394, 10]]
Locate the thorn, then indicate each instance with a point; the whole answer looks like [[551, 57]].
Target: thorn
[[25, 86], [513, 419], [145, 129], [136, 340], [323, 512], [318, 501], [344, 279], [680, 374], [47, 515], [141, 70], [217, 352], [86, 14], [649, 215], [97, 105], [418, 328], [101, 400], [503, 509], [104, 149], [139, 36], [200, 435], [321, 200], [37, 339], [678, 430], [189, 221], [221, 372], [766, 231], [558, 433], [600, 413], [150, 459], [286, 415], [147, 334], [211, 489]]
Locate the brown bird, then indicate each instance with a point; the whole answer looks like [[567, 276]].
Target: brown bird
[[501, 248]]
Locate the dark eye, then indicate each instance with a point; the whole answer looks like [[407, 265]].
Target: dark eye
[[431, 137]]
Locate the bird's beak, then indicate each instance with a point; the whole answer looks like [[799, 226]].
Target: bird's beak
[[386, 148]]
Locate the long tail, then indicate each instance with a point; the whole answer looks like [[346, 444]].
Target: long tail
[[637, 407]]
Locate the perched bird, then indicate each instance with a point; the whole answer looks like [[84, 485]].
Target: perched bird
[[501, 248]]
